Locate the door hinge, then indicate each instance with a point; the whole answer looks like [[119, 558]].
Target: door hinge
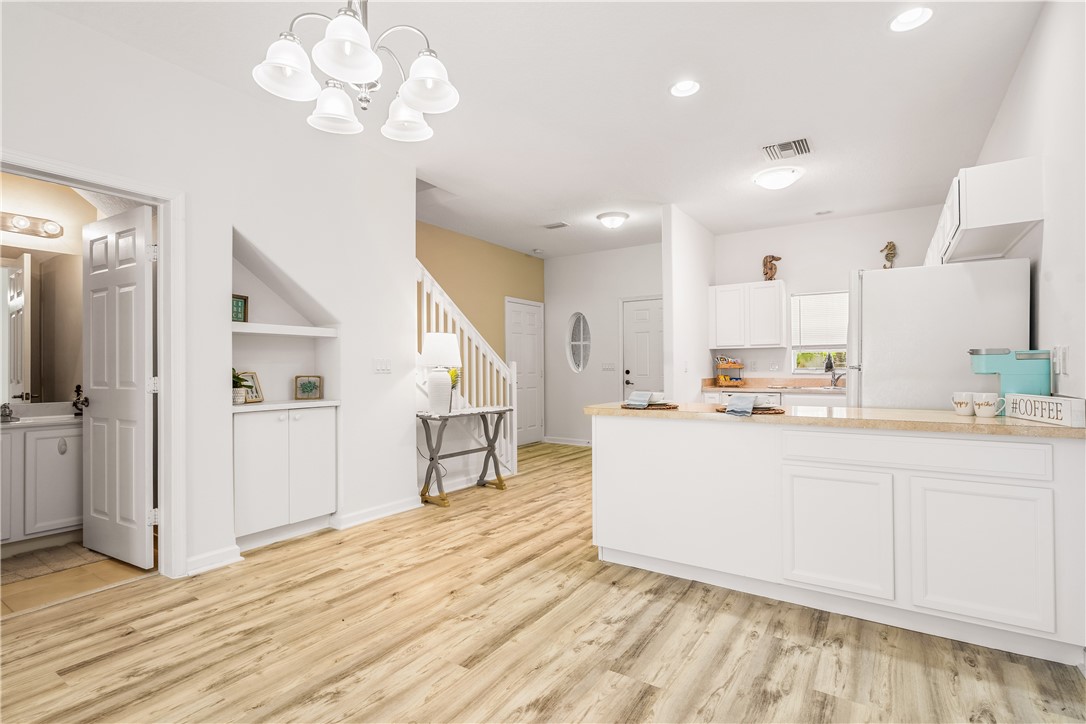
[[153, 385], [152, 252], [154, 517]]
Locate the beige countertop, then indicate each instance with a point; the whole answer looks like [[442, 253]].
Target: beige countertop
[[756, 389], [862, 418]]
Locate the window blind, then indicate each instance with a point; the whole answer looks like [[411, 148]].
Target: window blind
[[820, 320]]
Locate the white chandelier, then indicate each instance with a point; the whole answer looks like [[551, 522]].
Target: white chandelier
[[345, 54]]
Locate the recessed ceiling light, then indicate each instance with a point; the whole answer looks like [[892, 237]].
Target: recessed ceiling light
[[823, 213], [910, 20], [685, 88], [779, 177], [613, 219], [537, 251]]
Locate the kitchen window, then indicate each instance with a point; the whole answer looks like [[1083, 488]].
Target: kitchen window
[[580, 342], [819, 328]]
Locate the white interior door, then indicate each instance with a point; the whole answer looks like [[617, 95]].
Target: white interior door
[[524, 345], [118, 433], [642, 346], [17, 334]]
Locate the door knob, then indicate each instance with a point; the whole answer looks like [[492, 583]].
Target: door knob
[[628, 382]]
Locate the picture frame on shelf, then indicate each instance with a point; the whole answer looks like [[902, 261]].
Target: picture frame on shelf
[[254, 393], [239, 311], [308, 387]]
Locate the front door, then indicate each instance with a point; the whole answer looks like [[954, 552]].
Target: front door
[[642, 346], [118, 431], [524, 345]]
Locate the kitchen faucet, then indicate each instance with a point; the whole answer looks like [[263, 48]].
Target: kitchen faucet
[[834, 374]]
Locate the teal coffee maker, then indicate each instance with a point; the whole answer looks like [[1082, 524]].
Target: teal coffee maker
[[1023, 372]]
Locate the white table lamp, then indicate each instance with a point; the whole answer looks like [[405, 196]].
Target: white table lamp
[[440, 352]]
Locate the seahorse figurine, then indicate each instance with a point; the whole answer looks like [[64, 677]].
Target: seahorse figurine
[[769, 269], [891, 252]]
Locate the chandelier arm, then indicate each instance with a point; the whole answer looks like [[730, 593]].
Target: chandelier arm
[[303, 16], [399, 67], [412, 28]]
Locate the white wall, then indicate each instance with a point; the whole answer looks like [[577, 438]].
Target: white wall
[[688, 260], [817, 257], [1044, 114], [249, 164], [593, 284]]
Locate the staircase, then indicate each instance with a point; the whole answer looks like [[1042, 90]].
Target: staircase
[[485, 379]]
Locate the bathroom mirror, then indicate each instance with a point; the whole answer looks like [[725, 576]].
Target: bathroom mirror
[[42, 335]]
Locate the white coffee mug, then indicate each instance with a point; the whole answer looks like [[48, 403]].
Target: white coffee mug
[[988, 404], [963, 403]]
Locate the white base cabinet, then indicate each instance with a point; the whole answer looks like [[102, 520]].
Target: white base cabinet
[[41, 480], [747, 315], [284, 467]]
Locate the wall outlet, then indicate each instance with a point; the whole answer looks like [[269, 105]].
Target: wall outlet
[[382, 366], [1059, 359], [774, 366], [753, 366]]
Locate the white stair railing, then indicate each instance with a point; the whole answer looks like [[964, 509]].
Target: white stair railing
[[486, 380]]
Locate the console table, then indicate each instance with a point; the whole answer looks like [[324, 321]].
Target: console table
[[433, 445]]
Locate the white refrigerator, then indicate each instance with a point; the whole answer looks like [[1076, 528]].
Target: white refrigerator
[[910, 330]]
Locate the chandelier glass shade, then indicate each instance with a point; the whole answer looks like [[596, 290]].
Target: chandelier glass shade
[[350, 59]]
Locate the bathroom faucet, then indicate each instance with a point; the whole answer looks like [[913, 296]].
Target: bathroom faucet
[[834, 374], [5, 413]]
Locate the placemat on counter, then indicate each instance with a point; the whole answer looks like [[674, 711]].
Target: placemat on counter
[[656, 406], [757, 410]]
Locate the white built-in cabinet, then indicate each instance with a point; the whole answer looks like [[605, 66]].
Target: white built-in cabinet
[[988, 209], [747, 315], [284, 467], [41, 480]]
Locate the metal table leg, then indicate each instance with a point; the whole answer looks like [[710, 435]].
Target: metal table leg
[[434, 468], [491, 453]]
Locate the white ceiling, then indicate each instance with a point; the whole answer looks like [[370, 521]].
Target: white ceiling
[[565, 111]]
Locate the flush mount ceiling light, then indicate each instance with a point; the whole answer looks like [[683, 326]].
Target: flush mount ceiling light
[[779, 177], [685, 88], [350, 59], [910, 20], [613, 219], [30, 225]]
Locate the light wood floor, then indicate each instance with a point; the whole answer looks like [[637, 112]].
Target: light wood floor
[[495, 609]]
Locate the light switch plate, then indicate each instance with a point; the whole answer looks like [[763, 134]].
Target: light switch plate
[[608, 366], [382, 366]]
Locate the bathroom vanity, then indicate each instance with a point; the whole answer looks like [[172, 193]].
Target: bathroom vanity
[[41, 476]]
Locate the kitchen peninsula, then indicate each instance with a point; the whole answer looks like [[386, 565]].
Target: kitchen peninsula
[[967, 528]]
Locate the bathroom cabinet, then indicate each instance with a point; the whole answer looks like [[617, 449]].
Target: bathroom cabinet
[[41, 472]]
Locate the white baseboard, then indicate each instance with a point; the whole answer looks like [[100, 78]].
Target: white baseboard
[[567, 441], [210, 561], [283, 532], [1019, 643], [343, 521]]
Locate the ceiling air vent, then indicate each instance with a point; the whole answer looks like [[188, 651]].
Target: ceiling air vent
[[788, 149], [556, 225]]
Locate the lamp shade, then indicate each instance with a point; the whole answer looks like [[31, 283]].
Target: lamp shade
[[440, 349], [286, 72], [427, 88], [345, 51], [405, 124], [334, 112]]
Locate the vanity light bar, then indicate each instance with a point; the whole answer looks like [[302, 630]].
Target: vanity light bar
[[30, 225]]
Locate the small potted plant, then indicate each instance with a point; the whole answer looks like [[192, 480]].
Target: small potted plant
[[240, 385]]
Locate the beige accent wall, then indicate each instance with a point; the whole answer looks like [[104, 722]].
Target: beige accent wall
[[479, 276], [46, 200]]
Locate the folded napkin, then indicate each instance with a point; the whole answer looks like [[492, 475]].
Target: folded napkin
[[741, 405]]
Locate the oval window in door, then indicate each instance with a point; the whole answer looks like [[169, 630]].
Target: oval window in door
[[579, 342]]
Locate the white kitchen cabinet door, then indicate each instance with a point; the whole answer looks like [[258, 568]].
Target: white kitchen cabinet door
[[261, 471], [838, 529], [985, 550], [53, 464], [765, 302], [5, 485], [728, 316], [312, 463]]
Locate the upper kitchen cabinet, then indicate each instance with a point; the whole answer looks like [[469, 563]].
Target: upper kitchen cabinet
[[747, 315], [988, 209]]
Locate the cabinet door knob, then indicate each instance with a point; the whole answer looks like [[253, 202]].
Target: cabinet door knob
[[282, 417], [297, 417], [62, 446]]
